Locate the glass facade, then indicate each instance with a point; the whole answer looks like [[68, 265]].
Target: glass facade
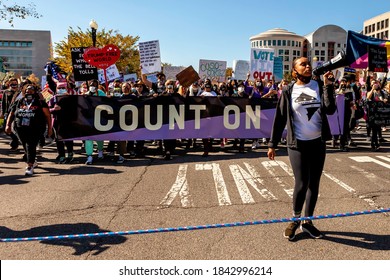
[[17, 56]]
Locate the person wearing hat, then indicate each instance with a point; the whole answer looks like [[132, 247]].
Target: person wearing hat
[[31, 115], [158, 87], [207, 142]]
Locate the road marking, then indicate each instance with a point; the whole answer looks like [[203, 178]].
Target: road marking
[[372, 177], [220, 186], [240, 176], [384, 158], [370, 159], [339, 182], [180, 187], [269, 166]]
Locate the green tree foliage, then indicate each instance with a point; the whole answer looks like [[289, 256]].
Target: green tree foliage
[[10, 12], [127, 63]]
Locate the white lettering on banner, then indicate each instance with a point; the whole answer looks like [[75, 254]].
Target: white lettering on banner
[[253, 117], [197, 109], [158, 124], [122, 117], [180, 187], [176, 117], [220, 186], [236, 116], [269, 166], [97, 119]]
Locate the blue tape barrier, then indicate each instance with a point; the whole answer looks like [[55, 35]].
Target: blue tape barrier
[[186, 228]]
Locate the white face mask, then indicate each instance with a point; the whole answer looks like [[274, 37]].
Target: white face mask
[[240, 89], [61, 91], [92, 89]]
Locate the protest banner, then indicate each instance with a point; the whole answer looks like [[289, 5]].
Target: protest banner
[[149, 53], [212, 69], [357, 49], [187, 76], [82, 71], [170, 72], [165, 117], [240, 69], [262, 63]]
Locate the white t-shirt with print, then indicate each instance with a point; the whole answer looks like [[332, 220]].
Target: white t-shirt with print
[[306, 105]]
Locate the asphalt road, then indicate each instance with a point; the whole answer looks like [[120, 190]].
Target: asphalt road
[[190, 190]]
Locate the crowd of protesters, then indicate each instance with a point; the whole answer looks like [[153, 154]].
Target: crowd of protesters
[[22, 98]]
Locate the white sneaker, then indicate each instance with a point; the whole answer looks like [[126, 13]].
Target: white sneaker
[[89, 160], [29, 171], [100, 155], [121, 159]]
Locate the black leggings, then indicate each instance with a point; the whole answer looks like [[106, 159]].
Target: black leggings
[[30, 138], [307, 162]]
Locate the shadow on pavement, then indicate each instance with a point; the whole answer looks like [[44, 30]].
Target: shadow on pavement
[[95, 245]]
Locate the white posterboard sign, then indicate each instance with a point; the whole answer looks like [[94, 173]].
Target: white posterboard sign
[[262, 63], [212, 69], [130, 77], [112, 74], [171, 71], [150, 58], [240, 69]]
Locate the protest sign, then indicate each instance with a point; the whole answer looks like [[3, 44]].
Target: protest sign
[[130, 77], [278, 68], [212, 69], [112, 74], [262, 63], [171, 71], [187, 76], [81, 69], [102, 57], [377, 58], [149, 53], [240, 69]]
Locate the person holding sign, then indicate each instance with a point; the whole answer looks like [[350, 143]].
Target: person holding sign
[[303, 106]]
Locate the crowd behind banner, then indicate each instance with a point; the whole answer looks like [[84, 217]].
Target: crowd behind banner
[[233, 114]]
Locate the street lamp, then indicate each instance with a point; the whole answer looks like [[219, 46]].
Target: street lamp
[[94, 27]]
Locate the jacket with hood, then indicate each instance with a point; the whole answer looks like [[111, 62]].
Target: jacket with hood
[[284, 115]]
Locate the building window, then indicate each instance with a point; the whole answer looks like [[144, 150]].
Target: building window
[[288, 42], [366, 30], [316, 44], [279, 42], [322, 52], [286, 67], [286, 58], [269, 42], [284, 42], [387, 35], [382, 24], [273, 42], [293, 43], [323, 45], [369, 29], [287, 52], [387, 23], [298, 53], [316, 52], [322, 58], [373, 28], [294, 52], [260, 43], [280, 52], [378, 24]]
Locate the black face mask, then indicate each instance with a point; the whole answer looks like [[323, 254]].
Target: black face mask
[[304, 79], [29, 97]]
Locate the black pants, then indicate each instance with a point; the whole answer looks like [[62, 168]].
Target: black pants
[[30, 138], [61, 147], [307, 162]]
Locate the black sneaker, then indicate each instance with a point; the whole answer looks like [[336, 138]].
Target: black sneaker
[[308, 227], [70, 158], [290, 230]]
